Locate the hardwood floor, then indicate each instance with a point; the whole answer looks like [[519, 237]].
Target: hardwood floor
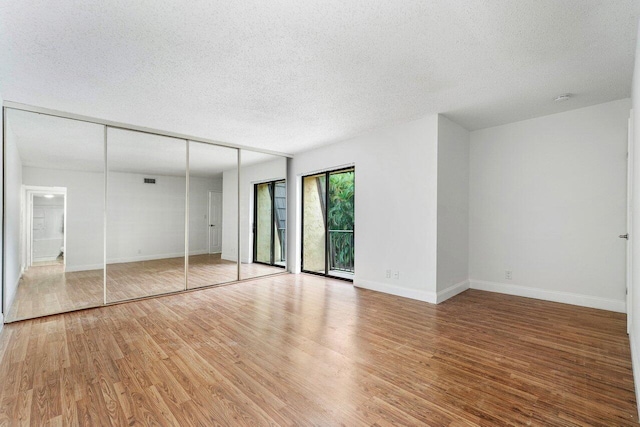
[[46, 289], [305, 350]]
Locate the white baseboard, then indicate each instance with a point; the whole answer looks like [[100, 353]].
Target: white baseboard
[[139, 258], [1, 322], [45, 259], [547, 295], [228, 258], [88, 267], [10, 297], [635, 366], [201, 252], [452, 291], [400, 291]]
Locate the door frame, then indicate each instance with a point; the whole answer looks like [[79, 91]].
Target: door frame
[[209, 223], [326, 174], [630, 171], [28, 191]]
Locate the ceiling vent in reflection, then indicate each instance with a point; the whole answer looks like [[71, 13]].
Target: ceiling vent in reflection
[[149, 180]]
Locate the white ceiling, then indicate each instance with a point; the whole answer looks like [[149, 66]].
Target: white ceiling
[[289, 75], [52, 142]]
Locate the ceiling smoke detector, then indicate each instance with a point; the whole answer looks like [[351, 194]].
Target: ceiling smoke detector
[[563, 97]]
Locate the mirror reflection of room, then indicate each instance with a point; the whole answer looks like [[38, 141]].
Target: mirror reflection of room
[[45, 242], [70, 184], [54, 193], [146, 208], [213, 231]]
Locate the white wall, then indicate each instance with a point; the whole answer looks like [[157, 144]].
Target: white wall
[[634, 334], [271, 170], [85, 213], [199, 189], [230, 215], [12, 232], [547, 202], [395, 205], [453, 208], [146, 221], [1, 208], [130, 228], [47, 228]]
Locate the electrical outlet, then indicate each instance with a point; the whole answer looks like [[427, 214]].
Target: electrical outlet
[[396, 274], [508, 274], [388, 275]]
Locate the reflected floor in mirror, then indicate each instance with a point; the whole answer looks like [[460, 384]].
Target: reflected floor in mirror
[[206, 270], [145, 278], [46, 289]]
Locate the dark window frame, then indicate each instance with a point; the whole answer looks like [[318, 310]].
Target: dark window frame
[[325, 213]]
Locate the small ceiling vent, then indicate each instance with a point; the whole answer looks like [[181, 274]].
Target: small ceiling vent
[[149, 180]]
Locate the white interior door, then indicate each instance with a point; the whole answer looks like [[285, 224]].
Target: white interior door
[[215, 222], [629, 220]]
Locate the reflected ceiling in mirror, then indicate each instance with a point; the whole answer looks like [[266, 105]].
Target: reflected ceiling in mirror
[[209, 161], [56, 143]]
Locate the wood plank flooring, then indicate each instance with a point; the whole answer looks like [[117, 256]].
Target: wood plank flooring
[[305, 350], [47, 289]]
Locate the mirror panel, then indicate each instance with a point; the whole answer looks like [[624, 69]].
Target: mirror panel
[[146, 207], [54, 215], [263, 214], [213, 207]]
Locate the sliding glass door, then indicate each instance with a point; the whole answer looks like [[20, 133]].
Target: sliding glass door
[[328, 225], [269, 223]]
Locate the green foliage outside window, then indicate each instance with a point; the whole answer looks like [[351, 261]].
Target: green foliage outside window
[[340, 217]]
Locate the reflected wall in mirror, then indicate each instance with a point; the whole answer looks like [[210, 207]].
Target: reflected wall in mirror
[[54, 213], [213, 233], [146, 206], [263, 214]]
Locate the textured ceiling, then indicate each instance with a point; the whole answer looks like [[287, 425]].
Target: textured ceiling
[[286, 76]]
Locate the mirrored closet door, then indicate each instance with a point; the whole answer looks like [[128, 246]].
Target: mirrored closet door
[[146, 214], [213, 207], [54, 215], [97, 213]]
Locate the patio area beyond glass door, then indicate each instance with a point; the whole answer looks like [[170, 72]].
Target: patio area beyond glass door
[[269, 221], [328, 223]]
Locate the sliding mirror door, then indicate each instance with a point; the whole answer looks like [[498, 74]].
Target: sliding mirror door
[[213, 207], [263, 214], [146, 207], [54, 213], [97, 214]]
